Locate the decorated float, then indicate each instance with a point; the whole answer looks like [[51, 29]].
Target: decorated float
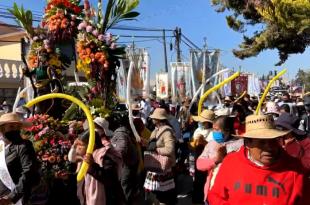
[[73, 34]]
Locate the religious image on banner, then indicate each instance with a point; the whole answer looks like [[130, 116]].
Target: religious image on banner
[[204, 64], [239, 85], [253, 85], [226, 89], [145, 74], [162, 85], [121, 80], [137, 57], [136, 82], [181, 80]]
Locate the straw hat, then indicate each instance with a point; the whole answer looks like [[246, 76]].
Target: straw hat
[[261, 127], [159, 114], [205, 116], [136, 106], [13, 118]]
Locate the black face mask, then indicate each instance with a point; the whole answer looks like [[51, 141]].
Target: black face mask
[[12, 135]]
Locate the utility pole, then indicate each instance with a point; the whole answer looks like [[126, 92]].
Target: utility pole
[[178, 35], [165, 50]]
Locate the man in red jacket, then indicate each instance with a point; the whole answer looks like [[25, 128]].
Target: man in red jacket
[[260, 173]]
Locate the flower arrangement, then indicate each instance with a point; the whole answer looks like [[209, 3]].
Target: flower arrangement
[[98, 53], [51, 145], [42, 51], [93, 51], [61, 19]]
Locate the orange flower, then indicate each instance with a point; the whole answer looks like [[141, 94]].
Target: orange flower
[[88, 51], [64, 23], [92, 56], [98, 55]]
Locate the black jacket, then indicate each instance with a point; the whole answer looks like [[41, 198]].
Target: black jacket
[[21, 162]]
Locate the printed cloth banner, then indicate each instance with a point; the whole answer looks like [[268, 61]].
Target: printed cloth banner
[[226, 89], [253, 85], [181, 81], [145, 74], [162, 85], [239, 85], [204, 64], [121, 81], [140, 83]]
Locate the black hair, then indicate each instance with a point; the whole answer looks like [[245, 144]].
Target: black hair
[[84, 137], [135, 112], [226, 124], [286, 108]]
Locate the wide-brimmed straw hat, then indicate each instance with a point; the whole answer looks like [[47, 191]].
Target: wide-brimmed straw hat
[[205, 116], [159, 114], [262, 127], [13, 118]]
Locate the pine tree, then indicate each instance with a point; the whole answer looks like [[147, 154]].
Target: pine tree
[[286, 25]]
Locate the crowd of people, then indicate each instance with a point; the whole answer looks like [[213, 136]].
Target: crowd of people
[[224, 155]]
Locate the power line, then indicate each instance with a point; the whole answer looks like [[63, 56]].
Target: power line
[[132, 28], [134, 36], [190, 42], [139, 41], [187, 44]]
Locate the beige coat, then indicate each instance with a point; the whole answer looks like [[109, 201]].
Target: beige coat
[[165, 141]]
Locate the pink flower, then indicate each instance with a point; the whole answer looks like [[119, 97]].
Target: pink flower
[[82, 25], [101, 37], [36, 137], [89, 29], [35, 38], [95, 32], [113, 46]]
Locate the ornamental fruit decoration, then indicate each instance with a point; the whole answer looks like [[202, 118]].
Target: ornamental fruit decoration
[[98, 53]]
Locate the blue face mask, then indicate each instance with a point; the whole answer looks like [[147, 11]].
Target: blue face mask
[[218, 137]]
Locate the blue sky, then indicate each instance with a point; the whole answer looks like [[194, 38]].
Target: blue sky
[[197, 19]]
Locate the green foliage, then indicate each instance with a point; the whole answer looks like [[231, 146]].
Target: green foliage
[[286, 25], [23, 18], [303, 79], [118, 11]]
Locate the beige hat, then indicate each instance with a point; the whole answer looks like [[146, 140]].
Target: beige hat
[[13, 118], [159, 114], [104, 124], [223, 112], [261, 127], [205, 116], [136, 106]]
